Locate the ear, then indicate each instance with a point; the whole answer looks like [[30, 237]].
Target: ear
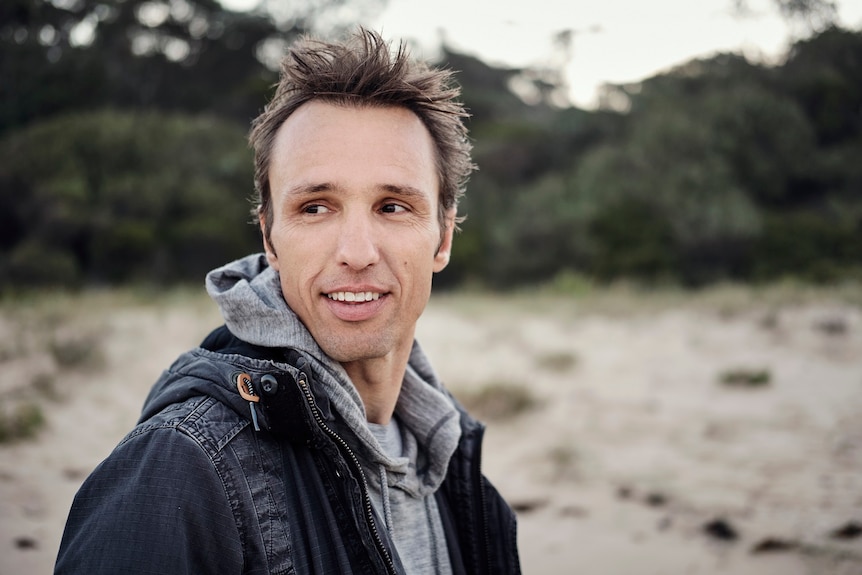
[[444, 251], [271, 256]]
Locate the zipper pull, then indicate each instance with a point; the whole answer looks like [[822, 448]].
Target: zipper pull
[[246, 391]]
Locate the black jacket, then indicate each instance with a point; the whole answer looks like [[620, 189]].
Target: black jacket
[[212, 482]]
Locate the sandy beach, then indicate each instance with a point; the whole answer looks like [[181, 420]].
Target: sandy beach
[[634, 434]]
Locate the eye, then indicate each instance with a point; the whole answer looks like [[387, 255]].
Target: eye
[[393, 209], [315, 209]]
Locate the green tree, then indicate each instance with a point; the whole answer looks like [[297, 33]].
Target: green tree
[[175, 55], [115, 197], [809, 15]]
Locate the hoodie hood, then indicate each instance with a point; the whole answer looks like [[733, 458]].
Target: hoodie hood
[[248, 293]]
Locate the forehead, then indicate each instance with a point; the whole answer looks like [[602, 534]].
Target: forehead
[[396, 133]]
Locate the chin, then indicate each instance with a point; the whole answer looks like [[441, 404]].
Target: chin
[[345, 351]]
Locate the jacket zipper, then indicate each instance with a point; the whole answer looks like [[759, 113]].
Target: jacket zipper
[[483, 502], [369, 510]]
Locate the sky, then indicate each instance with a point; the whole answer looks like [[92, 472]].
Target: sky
[[614, 41]]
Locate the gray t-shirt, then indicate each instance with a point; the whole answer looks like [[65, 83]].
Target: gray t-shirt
[[413, 522]]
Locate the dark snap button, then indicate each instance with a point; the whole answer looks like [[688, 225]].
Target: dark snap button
[[269, 384]]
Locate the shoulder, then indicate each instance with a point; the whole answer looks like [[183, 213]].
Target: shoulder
[[163, 486], [201, 420]]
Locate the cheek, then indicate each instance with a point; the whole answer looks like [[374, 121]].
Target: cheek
[[295, 297]]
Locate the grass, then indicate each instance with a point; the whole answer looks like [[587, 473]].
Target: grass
[[564, 460], [64, 331], [557, 361], [45, 385], [79, 351], [498, 400], [571, 296], [23, 421], [47, 335], [626, 297], [745, 377]]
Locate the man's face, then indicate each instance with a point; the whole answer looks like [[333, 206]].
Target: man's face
[[355, 233]]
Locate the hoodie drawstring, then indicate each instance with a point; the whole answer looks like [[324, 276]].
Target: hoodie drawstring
[[387, 509]]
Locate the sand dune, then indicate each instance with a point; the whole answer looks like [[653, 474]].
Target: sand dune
[[719, 433]]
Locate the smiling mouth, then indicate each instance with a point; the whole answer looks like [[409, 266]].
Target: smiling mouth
[[356, 297]]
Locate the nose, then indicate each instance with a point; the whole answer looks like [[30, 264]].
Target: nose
[[357, 241]]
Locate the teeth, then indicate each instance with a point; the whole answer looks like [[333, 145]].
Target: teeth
[[353, 296]]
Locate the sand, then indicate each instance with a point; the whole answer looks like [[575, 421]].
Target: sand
[[629, 452]]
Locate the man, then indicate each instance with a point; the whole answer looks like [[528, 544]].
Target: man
[[310, 434]]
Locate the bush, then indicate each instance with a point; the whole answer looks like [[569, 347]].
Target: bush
[[745, 377], [32, 263], [815, 246], [21, 422], [113, 197], [499, 400], [78, 351]]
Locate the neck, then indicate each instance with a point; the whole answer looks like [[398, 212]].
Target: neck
[[378, 382]]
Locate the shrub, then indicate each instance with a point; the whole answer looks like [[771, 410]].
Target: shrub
[[21, 422], [499, 400], [115, 197], [745, 377], [78, 351], [557, 362]]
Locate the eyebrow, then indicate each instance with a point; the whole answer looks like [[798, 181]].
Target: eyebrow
[[405, 191], [305, 189]]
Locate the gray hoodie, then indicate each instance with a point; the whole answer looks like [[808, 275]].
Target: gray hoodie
[[406, 461]]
